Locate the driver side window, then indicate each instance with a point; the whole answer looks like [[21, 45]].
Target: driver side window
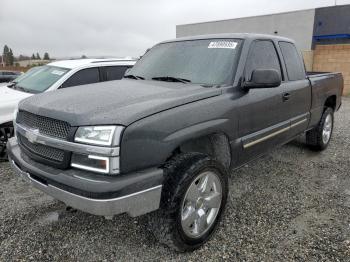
[[262, 55]]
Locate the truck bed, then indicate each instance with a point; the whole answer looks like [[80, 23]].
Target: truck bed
[[323, 86]]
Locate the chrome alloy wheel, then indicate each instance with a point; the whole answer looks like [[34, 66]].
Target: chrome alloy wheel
[[201, 204], [327, 129]]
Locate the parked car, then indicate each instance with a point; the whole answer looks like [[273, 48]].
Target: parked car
[[7, 76], [165, 136], [56, 75]]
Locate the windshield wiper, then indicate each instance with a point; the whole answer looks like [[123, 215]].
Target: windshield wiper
[[15, 86], [134, 77], [171, 79], [11, 84], [20, 88]]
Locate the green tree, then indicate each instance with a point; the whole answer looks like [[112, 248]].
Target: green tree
[[37, 56], [7, 56], [11, 58], [83, 56], [46, 56], [33, 57]]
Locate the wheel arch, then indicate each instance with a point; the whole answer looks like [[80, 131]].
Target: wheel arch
[[331, 102], [216, 145]]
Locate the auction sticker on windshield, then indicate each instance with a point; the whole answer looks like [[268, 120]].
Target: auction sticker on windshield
[[57, 72], [223, 44]]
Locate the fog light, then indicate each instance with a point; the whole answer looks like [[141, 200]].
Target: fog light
[[91, 163]]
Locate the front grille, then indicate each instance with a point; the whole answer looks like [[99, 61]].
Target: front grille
[[45, 125], [42, 150]]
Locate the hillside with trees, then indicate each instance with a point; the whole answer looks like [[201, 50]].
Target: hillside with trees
[[8, 59]]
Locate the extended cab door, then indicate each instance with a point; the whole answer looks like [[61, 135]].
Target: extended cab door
[[297, 89], [263, 117]]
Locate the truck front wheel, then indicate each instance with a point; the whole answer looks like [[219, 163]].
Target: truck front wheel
[[194, 196], [319, 137]]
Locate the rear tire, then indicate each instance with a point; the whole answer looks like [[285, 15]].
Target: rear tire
[[6, 132], [194, 196], [318, 138]]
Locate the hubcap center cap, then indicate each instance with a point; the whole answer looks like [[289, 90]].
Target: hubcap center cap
[[199, 203]]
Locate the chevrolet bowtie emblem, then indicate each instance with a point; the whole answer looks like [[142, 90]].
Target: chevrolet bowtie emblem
[[32, 135]]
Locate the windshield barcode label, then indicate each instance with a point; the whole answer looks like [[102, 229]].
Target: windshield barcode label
[[57, 72], [223, 44]]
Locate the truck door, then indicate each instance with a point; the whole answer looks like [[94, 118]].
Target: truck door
[[263, 118], [297, 89]]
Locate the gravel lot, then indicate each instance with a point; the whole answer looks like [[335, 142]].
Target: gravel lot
[[291, 205]]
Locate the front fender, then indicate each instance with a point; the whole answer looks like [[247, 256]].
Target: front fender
[[149, 142]]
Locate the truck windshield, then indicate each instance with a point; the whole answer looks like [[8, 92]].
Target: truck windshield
[[206, 62], [38, 79]]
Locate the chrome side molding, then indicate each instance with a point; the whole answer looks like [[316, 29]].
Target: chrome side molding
[[250, 144]]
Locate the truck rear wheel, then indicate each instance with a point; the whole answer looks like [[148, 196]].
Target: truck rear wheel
[[319, 137], [193, 199]]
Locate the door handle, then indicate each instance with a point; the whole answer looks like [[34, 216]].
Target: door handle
[[285, 97]]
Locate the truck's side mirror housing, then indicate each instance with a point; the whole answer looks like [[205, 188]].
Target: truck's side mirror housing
[[264, 78]]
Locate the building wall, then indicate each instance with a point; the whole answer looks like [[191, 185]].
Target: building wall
[[334, 58], [298, 25], [333, 20], [308, 57]]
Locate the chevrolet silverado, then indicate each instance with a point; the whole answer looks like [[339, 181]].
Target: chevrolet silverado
[[163, 139]]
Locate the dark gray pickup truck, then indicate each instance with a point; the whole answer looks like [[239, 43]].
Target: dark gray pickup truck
[[162, 140]]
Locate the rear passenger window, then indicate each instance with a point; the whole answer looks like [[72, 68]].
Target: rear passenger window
[[115, 72], [262, 55], [83, 77], [293, 62]]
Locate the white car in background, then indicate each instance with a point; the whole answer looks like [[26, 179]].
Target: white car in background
[[50, 77]]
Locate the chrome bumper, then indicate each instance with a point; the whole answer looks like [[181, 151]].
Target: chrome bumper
[[134, 204]]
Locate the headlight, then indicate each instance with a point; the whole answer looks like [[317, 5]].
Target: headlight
[[99, 135]]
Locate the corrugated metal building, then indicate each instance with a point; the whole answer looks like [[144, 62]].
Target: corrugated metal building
[[322, 34]]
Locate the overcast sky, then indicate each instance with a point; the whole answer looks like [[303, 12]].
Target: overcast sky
[[67, 28]]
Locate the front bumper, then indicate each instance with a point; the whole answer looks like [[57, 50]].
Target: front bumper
[[135, 194]]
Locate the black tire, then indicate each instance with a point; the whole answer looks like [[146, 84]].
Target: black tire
[[6, 132], [314, 137], [180, 172]]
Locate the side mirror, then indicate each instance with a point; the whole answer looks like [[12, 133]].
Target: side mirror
[[264, 78]]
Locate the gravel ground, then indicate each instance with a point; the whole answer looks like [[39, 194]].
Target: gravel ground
[[291, 205]]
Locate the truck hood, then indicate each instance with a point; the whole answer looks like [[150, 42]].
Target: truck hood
[[116, 102], [9, 99]]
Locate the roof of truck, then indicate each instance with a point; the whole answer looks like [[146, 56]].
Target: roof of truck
[[231, 35], [75, 63]]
